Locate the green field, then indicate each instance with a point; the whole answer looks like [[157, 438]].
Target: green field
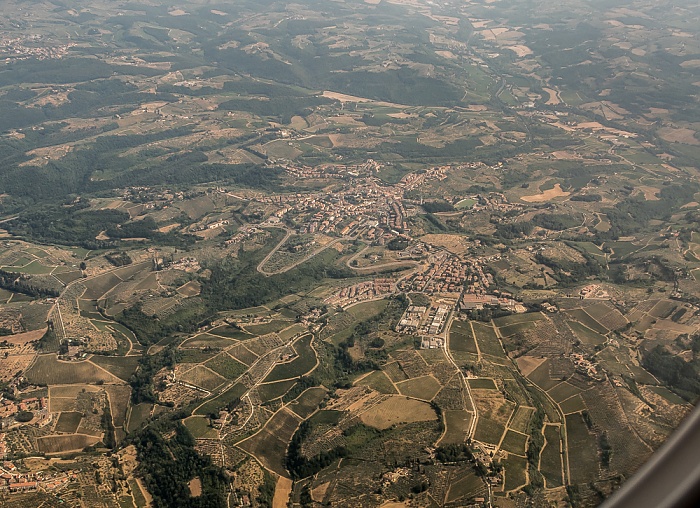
[[231, 332], [299, 366], [425, 387], [139, 414], [194, 355], [488, 340], [202, 377], [489, 431], [307, 402], [367, 310], [528, 317], [263, 329], [514, 442], [456, 426], [243, 355], [510, 330], [121, 366], [207, 340], [573, 405], [540, 376], [270, 444], [270, 391], [483, 383], [521, 419], [584, 318], [47, 370], [462, 338], [379, 381], [221, 400], [68, 421], [465, 485], [582, 448], [563, 391], [586, 335], [199, 427], [465, 204], [226, 366], [550, 460], [291, 331], [515, 467]]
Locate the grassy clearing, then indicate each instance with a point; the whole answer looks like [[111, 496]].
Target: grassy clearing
[[221, 400], [301, 365], [425, 387], [582, 445], [367, 310], [456, 427], [489, 431], [199, 427], [275, 390], [586, 335], [514, 442], [550, 460], [379, 381], [227, 366], [482, 383], [462, 338], [47, 370], [69, 422], [308, 402], [121, 366]]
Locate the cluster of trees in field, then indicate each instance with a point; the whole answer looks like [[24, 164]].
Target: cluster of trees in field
[[168, 465], [18, 283], [681, 375], [79, 225]]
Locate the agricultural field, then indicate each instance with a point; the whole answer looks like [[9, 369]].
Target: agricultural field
[[397, 410], [300, 365], [270, 444], [462, 338], [48, 370], [379, 381]]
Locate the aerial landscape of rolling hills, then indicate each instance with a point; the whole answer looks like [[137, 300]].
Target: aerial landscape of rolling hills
[[379, 253]]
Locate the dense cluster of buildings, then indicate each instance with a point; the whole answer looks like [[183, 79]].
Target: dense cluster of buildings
[[14, 481], [362, 291], [9, 409]]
